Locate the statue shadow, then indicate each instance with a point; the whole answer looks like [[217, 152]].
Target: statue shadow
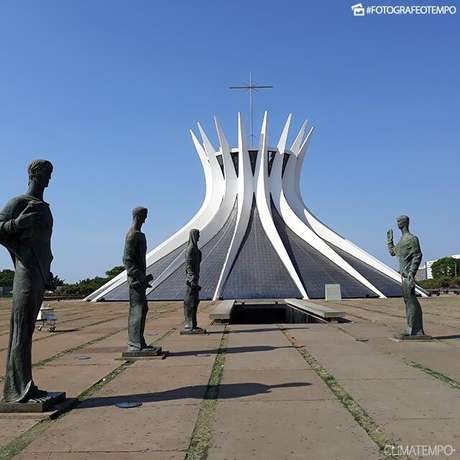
[[266, 329], [229, 350], [64, 331], [224, 391], [446, 337], [104, 349]]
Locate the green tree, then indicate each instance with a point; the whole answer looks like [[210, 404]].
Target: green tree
[[437, 283], [6, 278], [86, 286], [113, 272], [58, 281], [447, 267]]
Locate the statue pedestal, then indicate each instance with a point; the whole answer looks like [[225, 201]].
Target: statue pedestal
[[414, 338], [196, 331], [147, 353], [48, 404]]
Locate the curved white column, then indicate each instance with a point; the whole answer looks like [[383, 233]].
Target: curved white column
[[296, 224], [299, 138], [224, 188], [264, 208], [245, 193]]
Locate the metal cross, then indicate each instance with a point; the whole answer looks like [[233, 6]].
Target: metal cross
[[251, 88]]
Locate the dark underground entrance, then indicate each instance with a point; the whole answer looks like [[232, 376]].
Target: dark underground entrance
[[269, 312]]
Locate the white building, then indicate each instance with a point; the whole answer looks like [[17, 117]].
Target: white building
[[257, 237], [429, 263]]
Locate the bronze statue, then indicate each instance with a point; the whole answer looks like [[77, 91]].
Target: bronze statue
[[26, 225], [410, 256], [135, 265], [192, 277]]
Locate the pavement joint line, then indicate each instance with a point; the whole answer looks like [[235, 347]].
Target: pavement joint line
[[395, 315], [113, 374], [364, 420], [45, 361], [11, 449], [203, 430], [6, 332], [372, 321], [433, 373], [39, 339]]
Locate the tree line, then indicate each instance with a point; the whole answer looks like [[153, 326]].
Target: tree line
[[81, 288], [446, 274]]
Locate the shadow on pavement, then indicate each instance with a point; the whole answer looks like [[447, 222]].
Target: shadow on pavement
[[445, 337], [265, 329], [229, 350], [225, 391]]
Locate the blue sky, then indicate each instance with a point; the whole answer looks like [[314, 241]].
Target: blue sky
[[107, 90]]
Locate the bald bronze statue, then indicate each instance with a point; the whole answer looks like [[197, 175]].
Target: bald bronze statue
[[138, 281], [410, 256], [26, 225]]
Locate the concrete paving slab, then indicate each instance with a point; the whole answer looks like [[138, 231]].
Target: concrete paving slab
[[257, 339], [148, 455], [368, 364], [435, 355], [193, 342], [10, 428], [175, 359], [446, 362], [153, 386], [149, 427], [366, 330], [288, 430], [71, 379], [431, 432], [263, 349], [387, 399], [267, 358], [47, 348]]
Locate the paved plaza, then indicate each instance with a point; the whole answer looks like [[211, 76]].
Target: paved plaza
[[269, 391]]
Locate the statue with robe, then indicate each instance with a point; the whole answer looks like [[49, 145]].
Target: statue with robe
[[138, 281], [409, 254], [26, 225], [192, 278]]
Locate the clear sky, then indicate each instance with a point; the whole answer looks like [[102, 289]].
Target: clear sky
[[107, 90]]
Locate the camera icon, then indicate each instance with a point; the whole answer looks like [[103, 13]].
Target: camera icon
[[358, 9]]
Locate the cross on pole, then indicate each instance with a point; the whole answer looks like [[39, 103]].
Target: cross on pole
[[251, 88]]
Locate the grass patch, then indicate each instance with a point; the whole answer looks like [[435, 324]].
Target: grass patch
[[437, 375], [203, 431]]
